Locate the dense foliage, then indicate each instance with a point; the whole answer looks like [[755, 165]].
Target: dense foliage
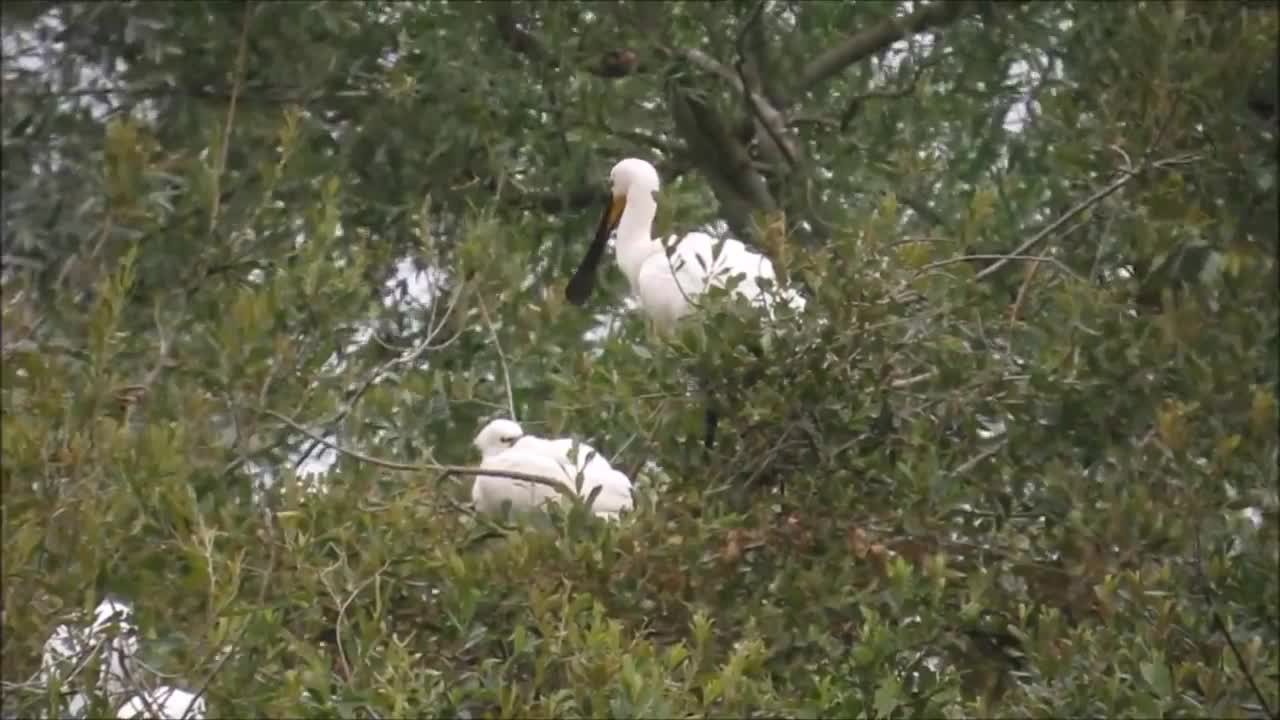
[[1017, 457]]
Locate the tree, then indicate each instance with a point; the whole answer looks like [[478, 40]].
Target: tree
[[1018, 456]]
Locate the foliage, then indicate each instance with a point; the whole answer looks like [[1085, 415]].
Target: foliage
[[1008, 461]]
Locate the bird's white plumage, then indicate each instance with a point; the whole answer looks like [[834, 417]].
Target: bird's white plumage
[[504, 446], [168, 703], [112, 637], [665, 286]]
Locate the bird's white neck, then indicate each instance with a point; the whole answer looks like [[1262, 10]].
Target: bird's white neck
[[634, 243]]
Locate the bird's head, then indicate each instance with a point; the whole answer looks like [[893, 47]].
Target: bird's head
[[498, 436], [633, 178], [633, 173]]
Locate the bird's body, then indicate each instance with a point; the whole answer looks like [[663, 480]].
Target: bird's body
[[169, 703], [504, 446], [112, 636], [667, 286]]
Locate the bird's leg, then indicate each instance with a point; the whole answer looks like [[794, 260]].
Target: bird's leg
[[652, 331]]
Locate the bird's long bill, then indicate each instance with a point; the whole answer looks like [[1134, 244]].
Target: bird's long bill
[[584, 278]]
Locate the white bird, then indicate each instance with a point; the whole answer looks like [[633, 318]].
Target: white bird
[[112, 636], [665, 286], [169, 703], [503, 445]]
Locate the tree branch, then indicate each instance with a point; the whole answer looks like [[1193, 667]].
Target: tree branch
[[215, 195], [769, 118], [752, 92], [502, 358], [723, 160], [1003, 258], [868, 42]]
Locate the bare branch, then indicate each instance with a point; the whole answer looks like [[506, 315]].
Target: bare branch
[[872, 40], [1126, 174], [404, 357], [855, 104], [1030, 258], [426, 467]]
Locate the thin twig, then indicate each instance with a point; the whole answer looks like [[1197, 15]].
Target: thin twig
[[908, 382], [1244, 668], [404, 358], [966, 258], [973, 462], [855, 103], [1035, 265], [1127, 174], [342, 611], [1221, 626], [1022, 291], [231, 116], [502, 358], [262, 596]]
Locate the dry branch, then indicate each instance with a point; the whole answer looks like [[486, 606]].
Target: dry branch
[[1126, 174], [426, 467]]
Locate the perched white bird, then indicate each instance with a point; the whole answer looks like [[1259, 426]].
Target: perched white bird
[[503, 445], [168, 703], [112, 637], [665, 286]]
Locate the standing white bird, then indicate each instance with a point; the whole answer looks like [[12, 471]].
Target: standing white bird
[[112, 637], [665, 286], [503, 445]]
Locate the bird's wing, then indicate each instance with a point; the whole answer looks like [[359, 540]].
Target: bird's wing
[[561, 448], [166, 702], [695, 253], [736, 259], [490, 491], [615, 487], [60, 647], [615, 490]]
